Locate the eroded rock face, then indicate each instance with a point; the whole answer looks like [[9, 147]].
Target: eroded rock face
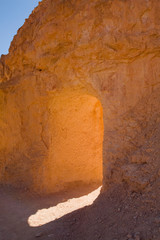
[[108, 50]]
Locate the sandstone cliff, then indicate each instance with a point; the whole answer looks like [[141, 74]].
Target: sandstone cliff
[[106, 50]]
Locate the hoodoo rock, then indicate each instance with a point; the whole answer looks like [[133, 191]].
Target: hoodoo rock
[[82, 80]]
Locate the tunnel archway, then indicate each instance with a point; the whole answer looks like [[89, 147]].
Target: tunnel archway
[[76, 140]]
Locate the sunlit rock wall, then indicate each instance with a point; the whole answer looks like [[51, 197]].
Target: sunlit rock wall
[[49, 141], [109, 50]]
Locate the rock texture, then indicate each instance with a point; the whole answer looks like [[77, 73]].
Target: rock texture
[[106, 50]]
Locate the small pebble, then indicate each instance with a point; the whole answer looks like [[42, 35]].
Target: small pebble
[[129, 235], [51, 235], [136, 234], [157, 220], [137, 238], [38, 235]]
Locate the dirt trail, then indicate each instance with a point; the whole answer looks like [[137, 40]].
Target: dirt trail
[[115, 214]]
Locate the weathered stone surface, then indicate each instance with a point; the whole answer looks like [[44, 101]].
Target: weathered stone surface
[[109, 50]]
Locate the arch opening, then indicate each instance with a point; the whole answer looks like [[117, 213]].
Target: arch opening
[[76, 140]]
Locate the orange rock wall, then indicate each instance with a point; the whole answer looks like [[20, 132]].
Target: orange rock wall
[[76, 138], [108, 49]]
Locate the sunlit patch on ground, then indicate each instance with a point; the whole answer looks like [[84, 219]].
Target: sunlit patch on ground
[[44, 216]]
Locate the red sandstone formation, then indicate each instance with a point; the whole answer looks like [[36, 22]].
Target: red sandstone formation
[[69, 60]]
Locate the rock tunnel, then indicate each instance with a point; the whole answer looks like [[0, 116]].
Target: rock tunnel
[[76, 140], [54, 141], [103, 56]]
